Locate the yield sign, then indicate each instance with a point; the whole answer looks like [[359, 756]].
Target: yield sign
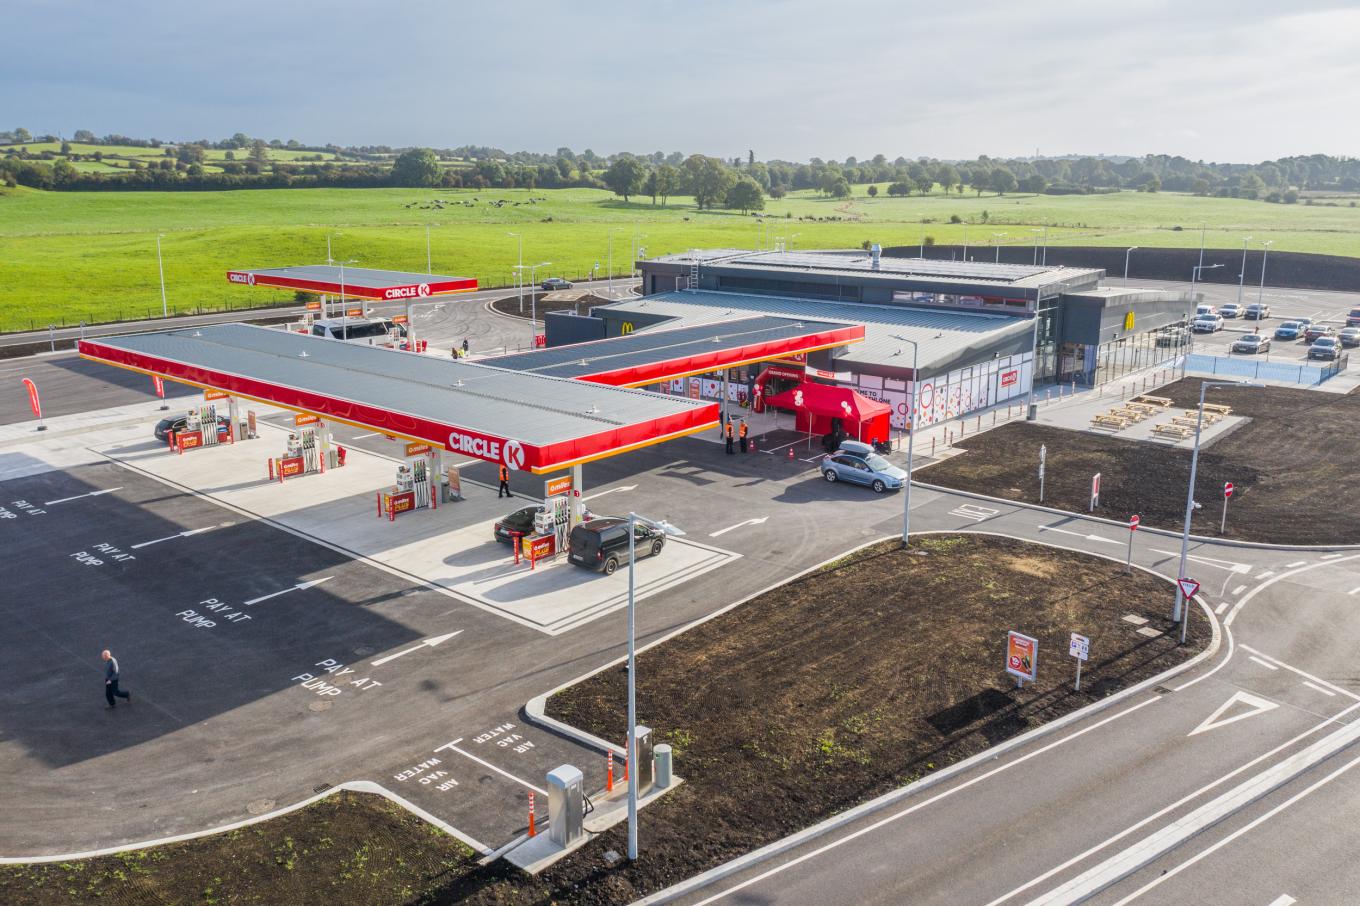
[[1188, 587], [1256, 704]]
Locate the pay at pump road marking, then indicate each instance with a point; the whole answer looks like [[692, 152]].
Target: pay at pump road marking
[[182, 535], [80, 496]]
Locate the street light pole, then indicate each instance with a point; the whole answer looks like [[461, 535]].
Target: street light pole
[[429, 268], [160, 266], [911, 442], [997, 246], [1194, 276], [519, 270], [1034, 361], [1242, 275], [1036, 233], [1265, 250], [1126, 263]]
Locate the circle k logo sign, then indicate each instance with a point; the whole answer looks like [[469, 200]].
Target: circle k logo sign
[[514, 454]]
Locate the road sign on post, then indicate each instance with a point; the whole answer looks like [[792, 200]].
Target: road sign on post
[[1188, 587], [1022, 657], [1080, 648], [1133, 527], [1227, 495], [1043, 457], [1095, 491]]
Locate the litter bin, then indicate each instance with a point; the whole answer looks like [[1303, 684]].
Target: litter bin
[[1033, 412]]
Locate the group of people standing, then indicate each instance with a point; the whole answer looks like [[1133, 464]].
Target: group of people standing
[[740, 432]]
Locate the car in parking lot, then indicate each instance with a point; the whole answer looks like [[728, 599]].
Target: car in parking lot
[[176, 423], [1231, 310], [857, 463], [1314, 331], [1288, 330], [602, 543], [553, 283], [1353, 319], [1173, 336], [1251, 343], [1207, 323], [1349, 336], [1328, 348], [1256, 311]]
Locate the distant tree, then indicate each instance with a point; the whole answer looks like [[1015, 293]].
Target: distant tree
[[65, 147], [947, 176], [188, 154], [1251, 186], [707, 179], [899, 189], [22, 135], [85, 137], [746, 195], [872, 190], [1002, 181], [417, 167], [980, 180], [778, 191], [63, 171], [1200, 186], [750, 158], [240, 140], [624, 176], [840, 188], [259, 151], [1152, 184], [1033, 183], [923, 182], [195, 171], [564, 167], [666, 182], [1291, 196], [229, 155]]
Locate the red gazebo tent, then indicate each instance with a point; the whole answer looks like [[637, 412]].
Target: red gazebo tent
[[815, 405]]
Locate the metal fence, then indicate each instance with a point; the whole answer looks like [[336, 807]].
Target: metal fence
[[1255, 369]]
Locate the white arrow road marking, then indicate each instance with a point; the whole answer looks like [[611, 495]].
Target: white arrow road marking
[[190, 533], [426, 643], [737, 526], [627, 487], [1256, 703], [80, 496], [486, 764], [1049, 528], [301, 586], [1229, 565]]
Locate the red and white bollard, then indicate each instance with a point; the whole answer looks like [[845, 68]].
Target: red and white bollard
[[609, 772], [626, 759], [790, 452], [532, 831]]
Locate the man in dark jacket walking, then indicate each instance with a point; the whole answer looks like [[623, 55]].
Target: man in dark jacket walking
[[111, 690]]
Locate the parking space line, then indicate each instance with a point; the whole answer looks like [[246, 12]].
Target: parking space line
[[1265, 664], [1318, 688], [486, 764]]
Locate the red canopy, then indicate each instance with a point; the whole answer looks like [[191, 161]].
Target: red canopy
[[816, 404]]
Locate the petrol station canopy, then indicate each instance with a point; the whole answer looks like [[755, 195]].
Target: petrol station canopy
[[527, 421], [657, 355], [360, 282]]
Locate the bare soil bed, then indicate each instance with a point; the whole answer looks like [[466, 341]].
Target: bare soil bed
[[350, 848], [1289, 465], [509, 305]]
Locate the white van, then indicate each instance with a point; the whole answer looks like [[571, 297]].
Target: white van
[[369, 331]]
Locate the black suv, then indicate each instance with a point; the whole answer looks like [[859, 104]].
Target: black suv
[[602, 543]]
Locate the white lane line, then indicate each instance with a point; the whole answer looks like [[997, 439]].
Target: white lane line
[[187, 534], [1283, 899], [1189, 797], [1317, 688], [1355, 590], [627, 487], [1222, 607], [1049, 528], [1239, 589], [370, 434], [1163, 841], [1296, 563], [1228, 565], [882, 822], [1265, 664], [1330, 556], [1265, 575], [1308, 676], [1233, 836], [486, 764], [80, 496]]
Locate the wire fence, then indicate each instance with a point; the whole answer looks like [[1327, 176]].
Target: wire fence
[[1305, 373]]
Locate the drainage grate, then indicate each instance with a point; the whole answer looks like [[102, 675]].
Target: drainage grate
[[1161, 690], [322, 788]]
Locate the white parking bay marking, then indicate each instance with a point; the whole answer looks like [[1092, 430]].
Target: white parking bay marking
[[486, 764], [1314, 686], [81, 496], [724, 531], [974, 512]]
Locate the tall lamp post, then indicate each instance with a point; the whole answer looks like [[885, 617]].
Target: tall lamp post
[[1182, 614], [1195, 274], [533, 299], [610, 275], [1242, 275], [1036, 233], [160, 266], [1034, 362], [519, 275], [1131, 250], [1265, 250], [911, 442], [429, 268], [342, 284], [997, 246], [667, 528]]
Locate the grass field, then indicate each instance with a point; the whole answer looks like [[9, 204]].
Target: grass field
[[69, 256]]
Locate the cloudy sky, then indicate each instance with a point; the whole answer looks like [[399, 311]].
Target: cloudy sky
[[1219, 81]]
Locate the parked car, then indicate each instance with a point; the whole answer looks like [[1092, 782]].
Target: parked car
[[1256, 311], [1176, 336], [368, 331], [176, 424], [1314, 331], [521, 522], [1289, 330], [1353, 319], [553, 283], [859, 464], [1328, 348], [1251, 343], [1207, 323], [1349, 336], [602, 543], [1303, 323], [1231, 310], [1205, 309]]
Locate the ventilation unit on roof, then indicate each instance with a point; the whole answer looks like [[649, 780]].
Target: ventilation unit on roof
[[875, 254]]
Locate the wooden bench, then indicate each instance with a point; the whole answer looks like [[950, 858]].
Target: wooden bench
[[1185, 421], [1132, 415], [1109, 421], [1209, 417], [1176, 431], [1143, 408], [1215, 407], [1156, 401]]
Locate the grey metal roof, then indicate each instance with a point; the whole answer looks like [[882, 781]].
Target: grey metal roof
[[367, 278], [940, 333], [532, 408], [667, 343]]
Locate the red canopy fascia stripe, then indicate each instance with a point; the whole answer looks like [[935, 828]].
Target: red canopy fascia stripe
[[399, 291]]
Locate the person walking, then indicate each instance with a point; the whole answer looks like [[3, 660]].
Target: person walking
[[465, 347], [504, 489], [727, 434], [111, 690], [741, 434]]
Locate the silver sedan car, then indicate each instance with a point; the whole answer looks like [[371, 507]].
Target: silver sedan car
[[863, 468]]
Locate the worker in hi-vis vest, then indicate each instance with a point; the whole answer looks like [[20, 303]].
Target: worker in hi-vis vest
[[741, 433], [504, 489], [727, 434]]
